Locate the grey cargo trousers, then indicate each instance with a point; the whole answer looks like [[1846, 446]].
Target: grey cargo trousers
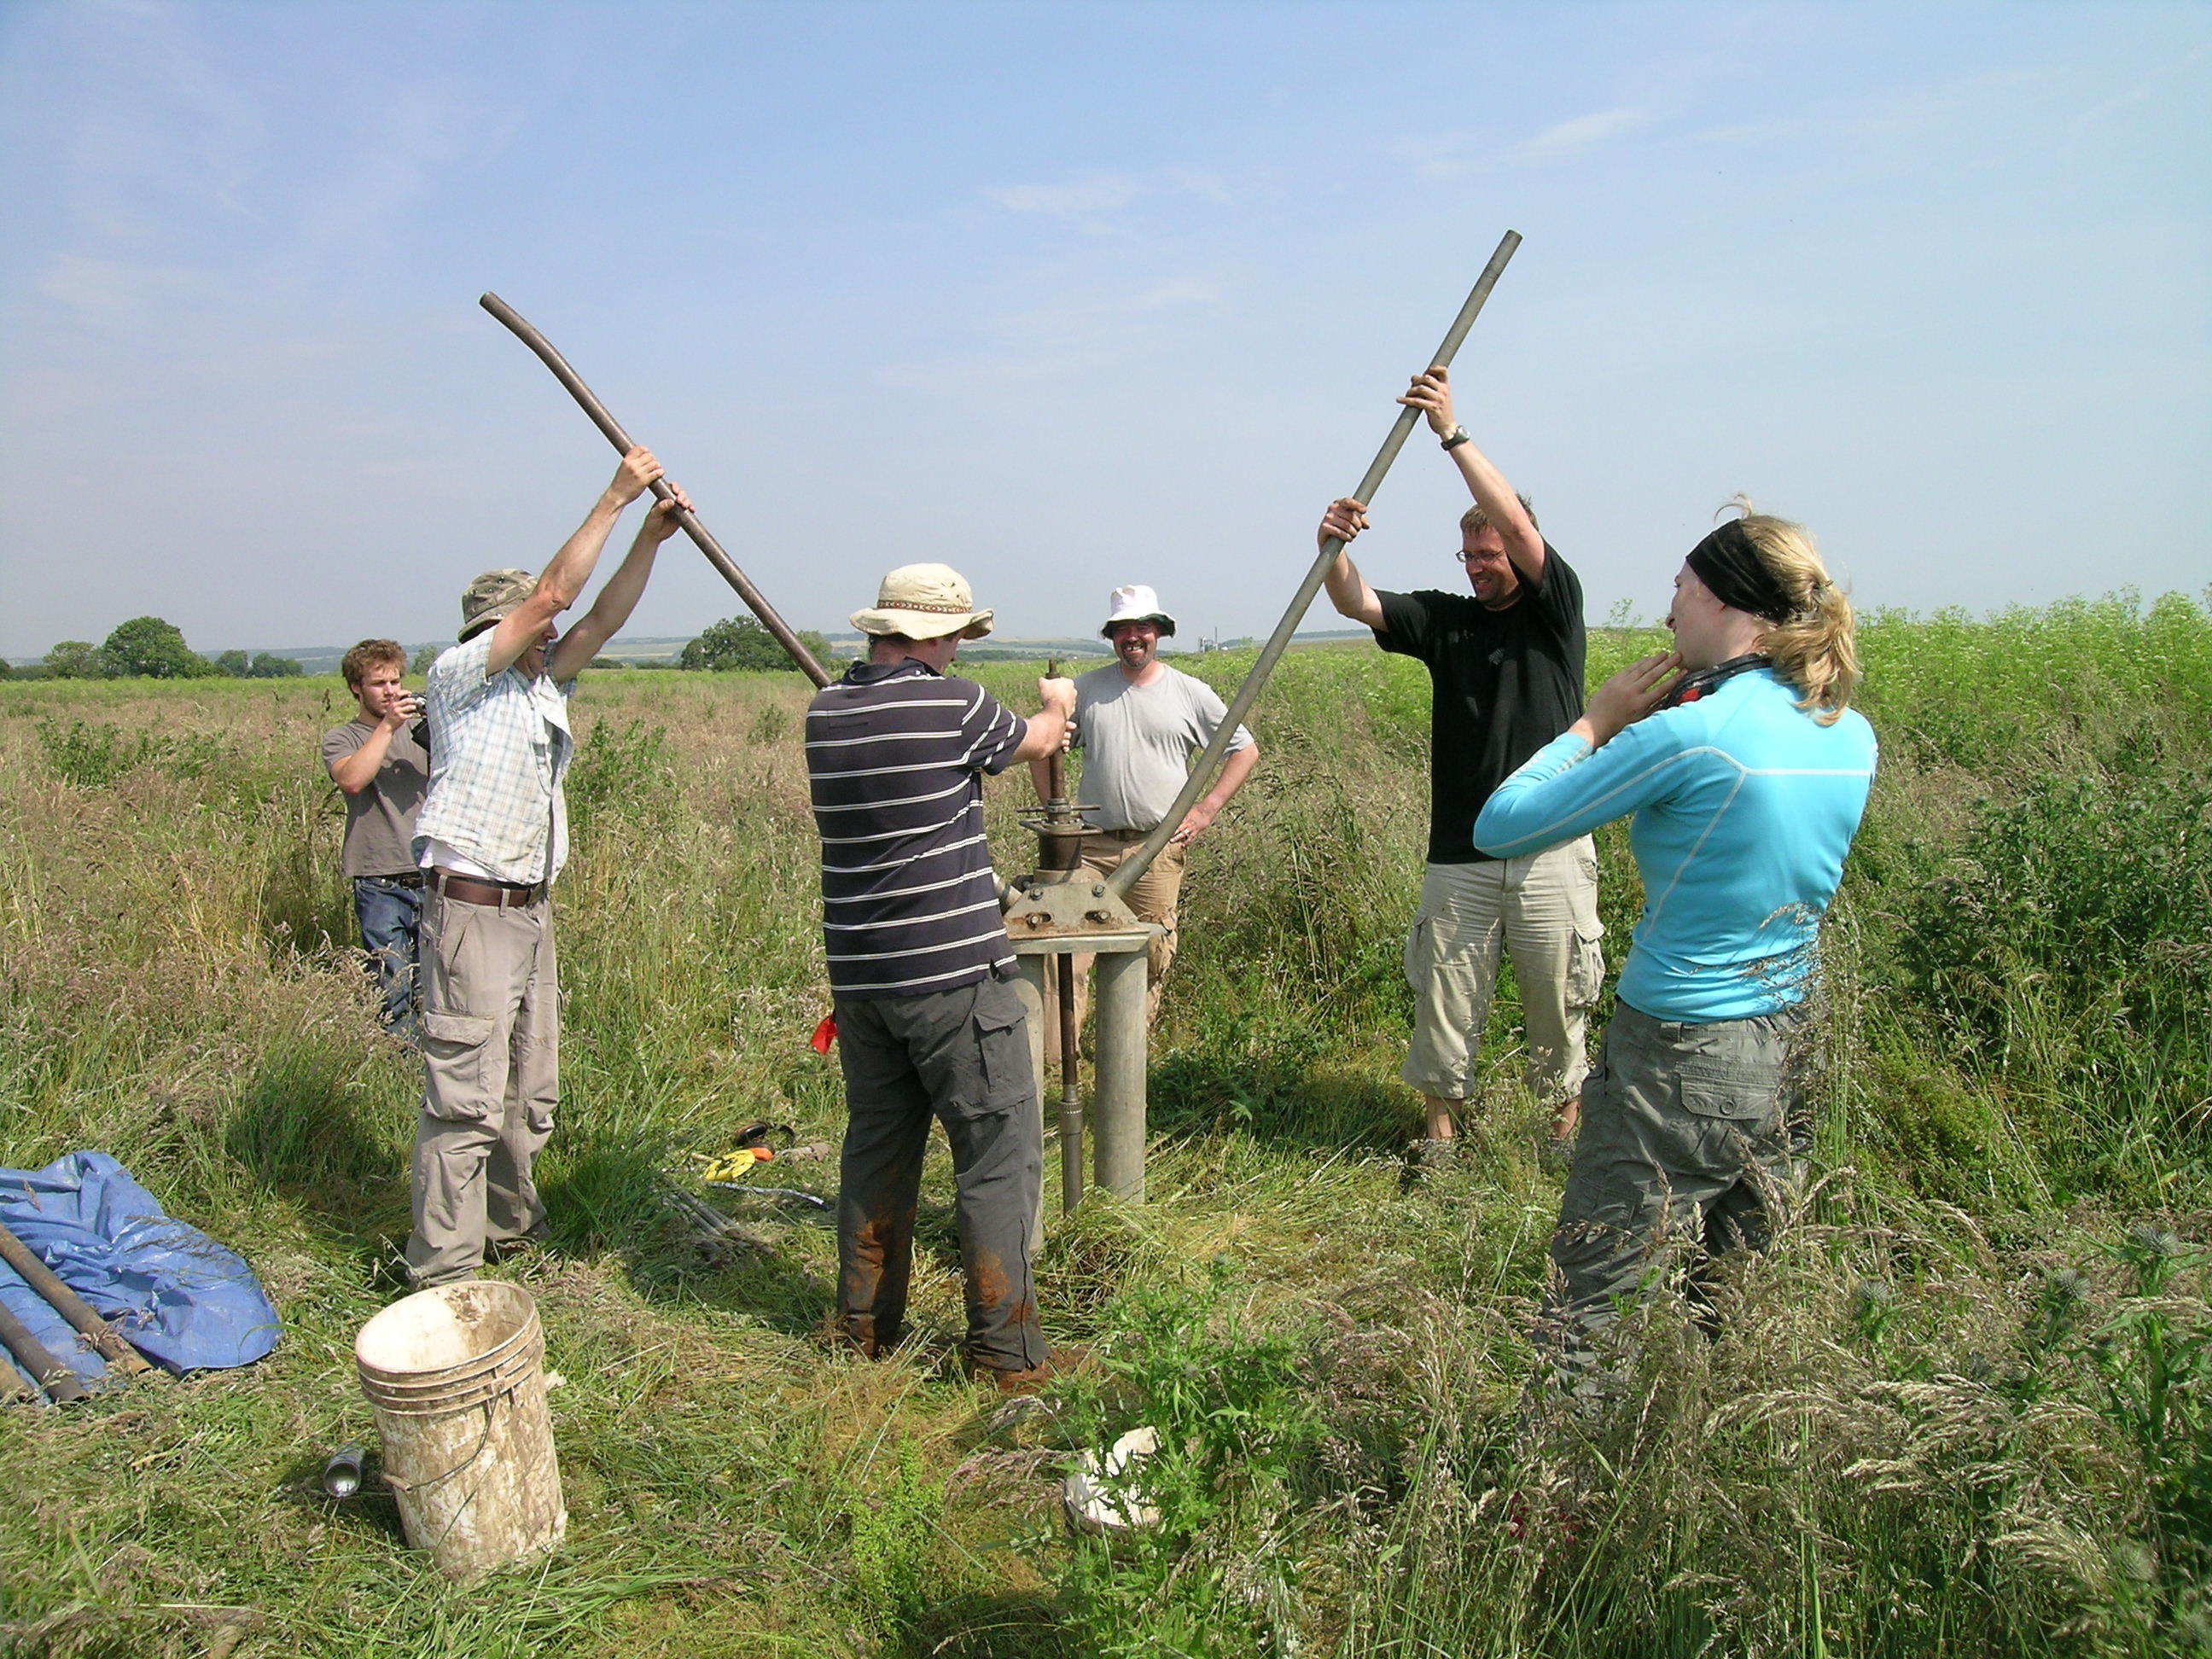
[[1694, 1140], [962, 1056]]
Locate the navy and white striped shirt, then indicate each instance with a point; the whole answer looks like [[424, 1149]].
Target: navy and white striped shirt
[[894, 755]]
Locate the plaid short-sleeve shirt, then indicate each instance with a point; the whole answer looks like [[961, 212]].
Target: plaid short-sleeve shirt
[[499, 749]]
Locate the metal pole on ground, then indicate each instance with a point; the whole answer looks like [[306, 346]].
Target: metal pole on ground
[[1209, 763], [688, 522]]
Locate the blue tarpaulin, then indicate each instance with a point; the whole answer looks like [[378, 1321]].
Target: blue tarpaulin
[[181, 1299]]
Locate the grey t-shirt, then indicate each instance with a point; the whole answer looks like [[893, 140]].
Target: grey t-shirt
[[1137, 741], [379, 833]]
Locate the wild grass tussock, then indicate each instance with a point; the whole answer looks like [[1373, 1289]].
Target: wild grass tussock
[[1964, 1405]]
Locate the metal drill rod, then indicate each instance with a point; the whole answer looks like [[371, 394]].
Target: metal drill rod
[[49, 1373], [105, 1339], [688, 522], [1071, 1082], [1216, 749]]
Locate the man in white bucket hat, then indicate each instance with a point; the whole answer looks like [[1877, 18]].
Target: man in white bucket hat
[[1138, 722], [928, 1023]]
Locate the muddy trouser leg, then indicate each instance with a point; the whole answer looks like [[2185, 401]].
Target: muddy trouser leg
[[1154, 896], [1451, 963], [971, 1048], [513, 1208], [878, 1173], [477, 961], [1680, 1123], [1552, 935]]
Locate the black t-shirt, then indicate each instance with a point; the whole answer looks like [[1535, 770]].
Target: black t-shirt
[[1503, 683]]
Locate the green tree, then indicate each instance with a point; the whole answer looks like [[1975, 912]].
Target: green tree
[[742, 642], [147, 646], [74, 660], [266, 667], [424, 656], [234, 663]]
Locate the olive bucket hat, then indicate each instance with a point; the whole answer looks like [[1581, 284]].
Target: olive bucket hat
[[492, 596]]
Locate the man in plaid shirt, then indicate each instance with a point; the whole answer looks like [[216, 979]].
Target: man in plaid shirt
[[491, 836]]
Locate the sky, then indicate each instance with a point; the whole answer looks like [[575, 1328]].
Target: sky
[[1069, 297]]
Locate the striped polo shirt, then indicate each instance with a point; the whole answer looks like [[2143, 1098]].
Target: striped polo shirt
[[894, 751]]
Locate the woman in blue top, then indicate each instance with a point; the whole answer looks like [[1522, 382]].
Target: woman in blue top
[[1746, 775]]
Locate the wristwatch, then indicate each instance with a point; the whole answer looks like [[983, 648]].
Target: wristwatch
[[1456, 437]]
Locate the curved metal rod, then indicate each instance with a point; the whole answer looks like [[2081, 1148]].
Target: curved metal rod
[[688, 522], [1217, 749]]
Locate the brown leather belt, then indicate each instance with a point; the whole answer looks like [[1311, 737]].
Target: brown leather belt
[[499, 894]]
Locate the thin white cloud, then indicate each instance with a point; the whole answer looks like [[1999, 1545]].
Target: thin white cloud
[[103, 288], [1584, 132], [1084, 198]]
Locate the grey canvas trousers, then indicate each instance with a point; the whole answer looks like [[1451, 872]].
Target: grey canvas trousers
[[1694, 1141], [963, 1057], [491, 1054]]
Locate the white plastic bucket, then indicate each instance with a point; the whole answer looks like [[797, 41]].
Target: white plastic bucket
[[456, 1377]]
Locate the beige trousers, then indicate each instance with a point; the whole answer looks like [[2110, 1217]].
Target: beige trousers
[[491, 1052], [1540, 909], [1153, 896]]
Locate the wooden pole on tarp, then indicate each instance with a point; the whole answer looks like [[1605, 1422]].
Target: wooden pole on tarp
[[105, 1341]]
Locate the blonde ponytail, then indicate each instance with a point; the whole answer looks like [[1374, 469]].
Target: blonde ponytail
[[1814, 648]]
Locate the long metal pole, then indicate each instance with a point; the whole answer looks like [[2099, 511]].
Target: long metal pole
[[688, 522], [107, 1342], [1209, 763], [1071, 1082]]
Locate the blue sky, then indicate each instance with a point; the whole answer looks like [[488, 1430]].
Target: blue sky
[[1069, 297]]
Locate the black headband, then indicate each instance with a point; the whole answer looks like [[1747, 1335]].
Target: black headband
[[1729, 564]]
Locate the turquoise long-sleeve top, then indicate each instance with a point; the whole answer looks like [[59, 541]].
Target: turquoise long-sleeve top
[[1744, 808]]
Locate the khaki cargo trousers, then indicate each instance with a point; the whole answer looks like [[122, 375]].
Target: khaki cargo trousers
[[491, 1053], [1541, 910]]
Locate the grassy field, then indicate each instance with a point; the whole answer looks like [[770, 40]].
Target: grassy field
[[1964, 1408]]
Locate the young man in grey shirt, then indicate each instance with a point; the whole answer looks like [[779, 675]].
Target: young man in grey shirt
[[375, 761], [1138, 722]]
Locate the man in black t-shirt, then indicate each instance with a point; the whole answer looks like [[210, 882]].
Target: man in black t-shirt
[[1505, 671]]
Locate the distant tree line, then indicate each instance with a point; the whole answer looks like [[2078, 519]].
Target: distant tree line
[[147, 648], [742, 642]]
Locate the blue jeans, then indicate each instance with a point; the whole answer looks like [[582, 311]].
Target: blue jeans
[[391, 916]]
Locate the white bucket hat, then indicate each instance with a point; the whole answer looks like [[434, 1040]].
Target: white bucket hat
[[1136, 604], [925, 602]]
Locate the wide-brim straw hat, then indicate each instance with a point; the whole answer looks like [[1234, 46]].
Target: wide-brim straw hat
[[492, 596], [1135, 603], [925, 602]]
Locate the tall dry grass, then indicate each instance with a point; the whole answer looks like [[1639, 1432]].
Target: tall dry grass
[[1962, 1407]]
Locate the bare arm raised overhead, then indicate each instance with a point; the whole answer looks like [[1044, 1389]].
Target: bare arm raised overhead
[[1431, 393], [531, 623], [1347, 589]]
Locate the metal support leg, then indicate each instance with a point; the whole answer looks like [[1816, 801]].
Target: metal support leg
[[1118, 1112], [1031, 988]]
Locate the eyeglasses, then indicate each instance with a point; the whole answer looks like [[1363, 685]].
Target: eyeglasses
[[1466, 557]]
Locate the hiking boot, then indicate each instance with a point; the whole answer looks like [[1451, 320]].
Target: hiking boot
[[1030, 1379]]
